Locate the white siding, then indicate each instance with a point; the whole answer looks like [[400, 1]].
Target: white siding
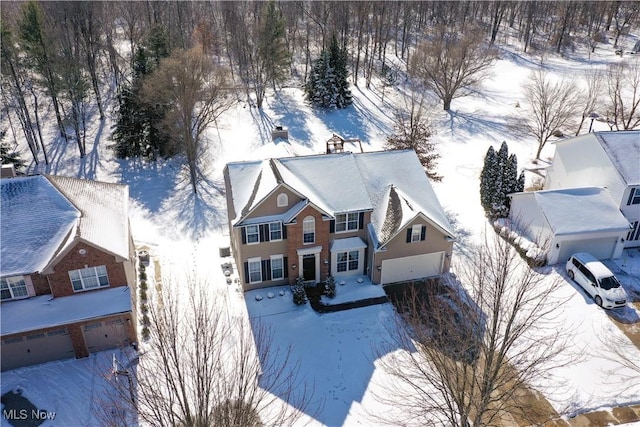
[[528, 218]]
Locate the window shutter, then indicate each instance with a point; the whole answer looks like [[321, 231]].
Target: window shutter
[[285, 266], [246, 273], [332, 226], [284, 231], [361, 221], [423, 232], [244, 235], [409, 235], [631, 193], [264, 232], [265, 270]]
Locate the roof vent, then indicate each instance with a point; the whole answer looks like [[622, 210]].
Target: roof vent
[[279, 132]]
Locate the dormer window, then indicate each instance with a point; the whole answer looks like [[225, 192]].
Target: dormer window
[[283, 200]]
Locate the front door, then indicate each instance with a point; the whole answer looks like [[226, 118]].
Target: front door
[[309, 267]]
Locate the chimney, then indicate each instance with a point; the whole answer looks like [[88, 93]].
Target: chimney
[[279, 133]]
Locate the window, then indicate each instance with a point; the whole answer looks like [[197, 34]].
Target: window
[[347, 261], [253, 233], [309, 230], [347, 222], [13, 287], [255, 270], [634, 197], [89, 278], [634, 234], [416, 232], [277, 268], [283, 200], [275, 231]]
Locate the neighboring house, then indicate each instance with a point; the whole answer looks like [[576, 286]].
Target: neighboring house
[[66, 270], [563, 222], [602, 159], [342, 214]]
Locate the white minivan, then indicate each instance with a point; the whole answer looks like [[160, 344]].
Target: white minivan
[[597, 280]]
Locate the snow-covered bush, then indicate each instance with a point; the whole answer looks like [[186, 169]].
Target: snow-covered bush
[[299, 295], [330, 287]]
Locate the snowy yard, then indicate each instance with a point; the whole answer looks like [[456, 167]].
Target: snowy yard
[[336, 351]]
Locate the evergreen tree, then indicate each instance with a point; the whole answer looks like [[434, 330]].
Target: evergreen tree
[[138, 130], [488, 179], [328, 85], [272, 46], [498, 179], [9, 155]]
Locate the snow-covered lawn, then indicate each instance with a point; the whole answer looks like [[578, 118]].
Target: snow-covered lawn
[[336, 351]]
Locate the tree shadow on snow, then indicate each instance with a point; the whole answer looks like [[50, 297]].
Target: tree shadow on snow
[[481, 124], [150, 182], [193, 214], [294, 119]]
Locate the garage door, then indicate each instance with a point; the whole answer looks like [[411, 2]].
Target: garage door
[[105, 335], [412, 267], [600, 248], [36, 348]]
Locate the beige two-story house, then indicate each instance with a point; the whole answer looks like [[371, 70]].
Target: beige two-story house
[[342, 214]]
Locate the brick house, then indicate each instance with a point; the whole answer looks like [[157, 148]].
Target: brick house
[[66, 271], [342, 214]]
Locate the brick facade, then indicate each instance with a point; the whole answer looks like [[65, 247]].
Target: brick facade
[[40, 284], [60, 282], [294, 242]]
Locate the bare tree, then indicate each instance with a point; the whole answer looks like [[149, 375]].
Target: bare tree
[[480, 355], [623, 90], [411, 130], [591, 100], [203, 367], [452, 63], [553, 105], [194, 92]]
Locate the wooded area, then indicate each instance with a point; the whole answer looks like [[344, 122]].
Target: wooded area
[[74, 58]]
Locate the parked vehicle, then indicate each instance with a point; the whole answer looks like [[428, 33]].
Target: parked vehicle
[[597, 280]]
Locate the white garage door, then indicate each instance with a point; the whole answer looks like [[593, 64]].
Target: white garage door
[[600, 248], [36, 348], [412, 267], [105, 335]]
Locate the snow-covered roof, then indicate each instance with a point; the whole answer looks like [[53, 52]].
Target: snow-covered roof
[[580, 210], [36, 219], [623, 148], [41, 215], [347, 244], [392, 184], [45, 311], [104, 207]]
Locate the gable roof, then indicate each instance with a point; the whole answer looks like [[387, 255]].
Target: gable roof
[[43, 215], [623, 148], [392, 184], [36, 219], [579, 210]]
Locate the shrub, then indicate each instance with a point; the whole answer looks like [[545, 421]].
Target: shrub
[[299, 295], [330, 287]]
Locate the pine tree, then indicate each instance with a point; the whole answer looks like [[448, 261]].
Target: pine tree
[[272, 46], [498, 179], [137, 131], [488, 179], [328, 85], [8, 155]]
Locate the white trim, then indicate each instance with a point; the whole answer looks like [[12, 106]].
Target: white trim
[[281, 231], [415, 227], [316, 256], [346, 222], [282, 200], [307, 251], [11, 281], [281, 258], [82, 279], [254, 260], [257, 233], [312, 222]]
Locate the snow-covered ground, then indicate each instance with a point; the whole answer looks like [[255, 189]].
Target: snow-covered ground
[[335, 350]]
